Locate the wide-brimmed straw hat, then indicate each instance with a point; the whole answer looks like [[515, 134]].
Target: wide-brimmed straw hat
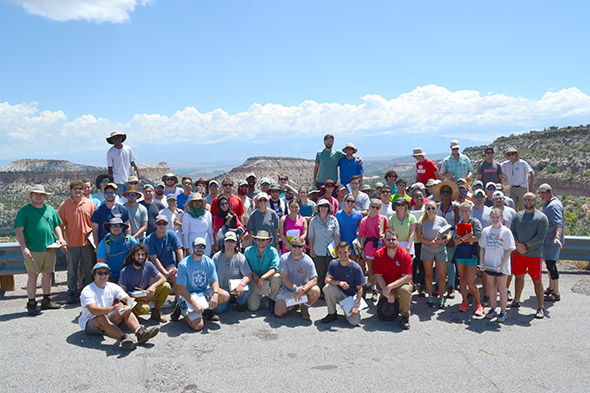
[[196, 196], [418, 152], [454, 190], [133, 190], [263, 235], [39, 189]]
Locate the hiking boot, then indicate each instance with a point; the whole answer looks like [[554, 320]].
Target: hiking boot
[[271, 306], [209, 315], [405, 323], [127, 343], [47, 304], [72, 299], [450, 293], [33, 308], [329, 318], [175, 314], [157, 316], [241, 307], [305, 312], [144, 334]]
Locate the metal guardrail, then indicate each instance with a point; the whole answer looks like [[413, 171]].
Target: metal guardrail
[[576, 248]]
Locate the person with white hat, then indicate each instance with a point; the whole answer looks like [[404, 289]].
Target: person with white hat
[[197, 222], [102, 315], [457, 165], [38, 233], [425, 167], [519, 176], [138, 214], [263, 259], [120, 158], [350, 165], [115, 246], [213, 192], [323, 230]]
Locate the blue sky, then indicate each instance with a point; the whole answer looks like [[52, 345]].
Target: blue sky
[[198, 81]]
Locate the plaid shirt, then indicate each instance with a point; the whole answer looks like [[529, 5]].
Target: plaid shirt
[[460, 168]]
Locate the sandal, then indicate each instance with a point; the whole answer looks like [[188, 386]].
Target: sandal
[[548, 291], [552, 297], [514, 304], [540, 313]]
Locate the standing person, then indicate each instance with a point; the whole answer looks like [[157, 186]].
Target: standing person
[[404, 225], [120, 159], [197, 223], [323, 230], [554, 239], [174, 215], [187, 190], [197, 276], [153, 208], [480, 210], [213, 192], [291, 226], [139, 273], [529, 228], [170, 181], [401, 191], [417, 268], [115, 246], [306, 205], [225, 220], [264, 219], [393, 272], [350, 165], [519, 176], [263, 260], [231, 265], [37, 226], [508, 213], [490, 189], [341, 192], [251, 182], [446, 192], [275, 203], [328, 188], [326, 162], [86, 189], [106, 211], [138, 214], [349, 221], [362, 199], [489, 170], [101, 182], [159, 190], [466, 239], [433, 251], [456, 165], [249, 208], [344, 278], [391, 177], [496, 244], [507, 200], [371, 232], [235, 202], [75, 214], [386, 205], [425, 167], [298, 278], [101, 314]]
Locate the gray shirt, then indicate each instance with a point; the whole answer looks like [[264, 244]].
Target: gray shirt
[[299, 271], [482, 215], [267, 221], [554, 211], [323, 233], [137, 215], [530, 228], [229, 269], [490, 172], [430, 232]]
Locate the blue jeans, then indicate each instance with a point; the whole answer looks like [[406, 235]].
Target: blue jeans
[[242, 299]]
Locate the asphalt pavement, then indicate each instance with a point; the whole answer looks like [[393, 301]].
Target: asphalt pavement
[[444, 350]]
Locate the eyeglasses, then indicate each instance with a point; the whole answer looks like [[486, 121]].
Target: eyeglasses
[[133, 195], [161, 223], [529, 199], [297, 245], [109, 193], [199, 247], [390, 239], [160, 188], [213, 186], [511, 154], [103, 273], [228, 185], [431, 208], [349, 201], [374, 207], [489, 152], [491, 188], [479, 196], [394, 176], [283, 179], [445, 192], [186, 183]]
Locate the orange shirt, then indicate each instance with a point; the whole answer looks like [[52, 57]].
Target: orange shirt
[[76, 220]]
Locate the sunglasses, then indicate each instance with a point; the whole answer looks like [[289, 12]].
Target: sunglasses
[[109, 193], [199, 247], [489, 152], [116, 225], [445, 192], [529, 200], [133, 182], [213, 186], [401, 184], [186, 183], [228, 185], [134, 195], [491, 188], [160, 188], [431, 208], [385, 191], [511, 154], [390, 240], [283, 179], [462, 191], [103, 273], [479, 196], [297, 245], [161, 223], [77, 188], [104, 181], [478, 186], [374, 207], [349, 201]]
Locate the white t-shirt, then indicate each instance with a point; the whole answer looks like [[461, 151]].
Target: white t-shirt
[[508, 214], [496, 242], [120, 160], [386, 210], [101, 297]]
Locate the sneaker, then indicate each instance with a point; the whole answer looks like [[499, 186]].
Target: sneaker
[[510, 297], [479, 310], [491, 314], [450, 293], [463, 307], [441, 302], [144, 334], [305, 312], [33, 308], [175, 313], [405, 323], [157, 316], [431, 301], [127, 343], [271, 306], [241, 307], [210, 315], [47, 304], [514, 304], [502, 317], [329, 318]]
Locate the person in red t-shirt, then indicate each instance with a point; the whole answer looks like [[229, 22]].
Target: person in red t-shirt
[[393, 272], [235, 203], [425, 167]]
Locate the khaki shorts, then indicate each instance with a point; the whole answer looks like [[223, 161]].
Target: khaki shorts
[[41, 262]]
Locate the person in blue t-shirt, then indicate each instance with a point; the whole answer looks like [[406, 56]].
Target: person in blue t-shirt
[[109, 209], [349, 221], [350, 165], [115, 246]]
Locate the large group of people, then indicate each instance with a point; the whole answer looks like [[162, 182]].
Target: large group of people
[[129, 247]]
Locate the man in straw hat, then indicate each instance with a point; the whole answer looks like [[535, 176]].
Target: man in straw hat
[[119, 159], [263, 259], [456, 165], [425, 167], [350, 165], [519, 176], [37, 227], [115, 246]]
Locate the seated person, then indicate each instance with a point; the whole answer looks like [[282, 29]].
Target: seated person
[[137, 274], [197, 275], [101, 313], [299, 277], [115, 246], [393, 272], [263, 260], [231, 265], [344, 278]]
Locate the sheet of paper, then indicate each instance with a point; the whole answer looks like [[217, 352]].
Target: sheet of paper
[[200, 299], [132, 303], [294, 301], [233, 284], [138, 293], [348, 303], [332, 248]]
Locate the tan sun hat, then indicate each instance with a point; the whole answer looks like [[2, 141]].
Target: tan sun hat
[[39, 189], [454, 190]]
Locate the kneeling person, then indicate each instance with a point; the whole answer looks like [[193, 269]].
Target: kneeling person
[[299, 277], [102, 315], [344, 278], [197, 275], [393, 272], [137, 275], [231, 265]]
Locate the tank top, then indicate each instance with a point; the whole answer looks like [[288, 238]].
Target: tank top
[[448, 215], [293, 229]]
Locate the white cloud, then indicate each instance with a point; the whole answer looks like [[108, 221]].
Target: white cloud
[[97, 11], [428, 111]]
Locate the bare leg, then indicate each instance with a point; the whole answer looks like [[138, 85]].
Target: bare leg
[[470, 275], [313, 295], [428, 271], [281, 308], [492, 288], [441, 272], [539, 292], [32, 286], [518, 287], [503, 292], [462, 280], [196, 324], [104, 324], [46, 282]]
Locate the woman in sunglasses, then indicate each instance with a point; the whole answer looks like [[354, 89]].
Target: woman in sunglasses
[[433, 251], [291, 226], [371, 233], [226, 220]]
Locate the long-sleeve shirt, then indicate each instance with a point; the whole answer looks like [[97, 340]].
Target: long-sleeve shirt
[[530, 228]]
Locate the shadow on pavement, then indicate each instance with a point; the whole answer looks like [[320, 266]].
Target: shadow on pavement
[[84, 340], [16, 315]]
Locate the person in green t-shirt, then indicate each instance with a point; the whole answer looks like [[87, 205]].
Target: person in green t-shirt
[[37, 227]]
